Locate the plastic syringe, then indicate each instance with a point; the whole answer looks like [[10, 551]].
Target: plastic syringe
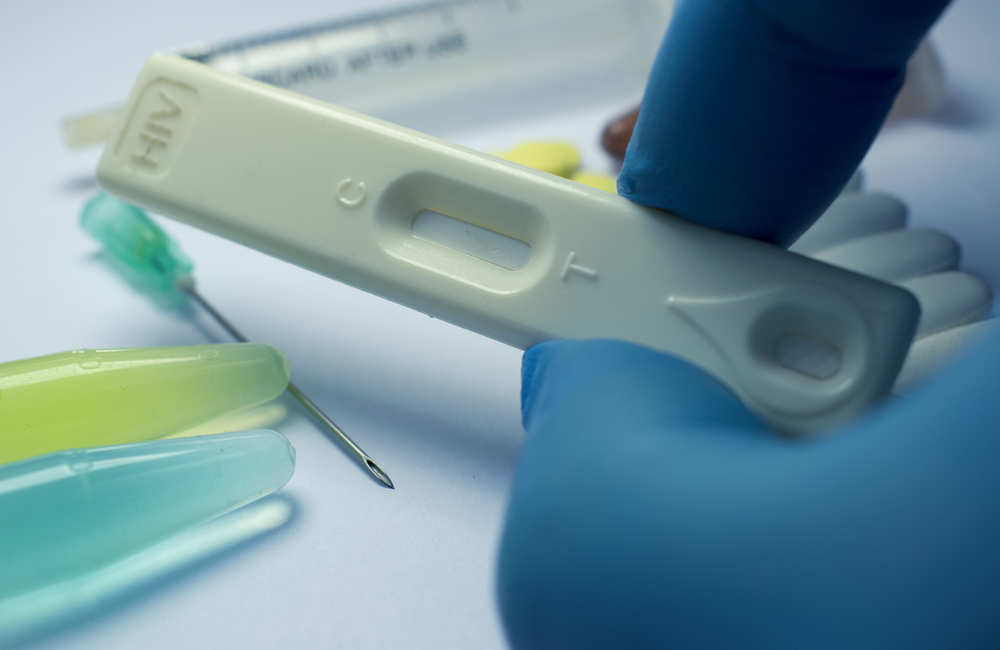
[[426, 65]]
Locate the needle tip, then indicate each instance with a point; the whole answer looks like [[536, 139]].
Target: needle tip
[[379, 474]]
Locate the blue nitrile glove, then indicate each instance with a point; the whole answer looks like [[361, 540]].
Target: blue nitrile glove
[[650, 508], [758, 111]]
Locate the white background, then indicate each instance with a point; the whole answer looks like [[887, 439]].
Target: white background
[[333, 560]]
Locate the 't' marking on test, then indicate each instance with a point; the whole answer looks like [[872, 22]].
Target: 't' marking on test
[[571, 267]]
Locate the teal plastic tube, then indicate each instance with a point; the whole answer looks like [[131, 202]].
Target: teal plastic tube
[[68, 513]]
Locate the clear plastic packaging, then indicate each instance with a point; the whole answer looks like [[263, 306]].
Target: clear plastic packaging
[[445, 65], [427, 55]]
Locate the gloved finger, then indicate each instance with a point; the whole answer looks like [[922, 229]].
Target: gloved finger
[[896, 255], [930, 355], [852, 215], [922, 93], [949, 300], [601, 417], [632, 379], [863, 232], [758, 111]]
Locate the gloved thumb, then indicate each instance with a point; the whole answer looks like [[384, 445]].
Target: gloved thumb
[[617, 385], [649, 504], [609, 425]]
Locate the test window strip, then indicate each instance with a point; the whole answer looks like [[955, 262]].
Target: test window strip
[[512, 253]]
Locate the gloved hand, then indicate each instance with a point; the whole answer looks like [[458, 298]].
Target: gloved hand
[[650, 508], [758, 111]]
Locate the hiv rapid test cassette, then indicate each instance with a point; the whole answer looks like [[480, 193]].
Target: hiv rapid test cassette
[[512, 253]]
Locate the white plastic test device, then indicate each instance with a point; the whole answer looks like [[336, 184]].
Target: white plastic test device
[[513, 253]]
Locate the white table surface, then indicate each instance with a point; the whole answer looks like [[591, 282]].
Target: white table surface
[[333, 560]]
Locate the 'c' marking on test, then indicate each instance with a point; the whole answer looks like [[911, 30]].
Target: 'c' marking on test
[[350, 199]]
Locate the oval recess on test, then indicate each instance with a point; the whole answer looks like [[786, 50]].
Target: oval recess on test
[[464, 237]]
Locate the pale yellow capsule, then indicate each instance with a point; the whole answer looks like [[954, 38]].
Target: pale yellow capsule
[[605, 182], [559, 158]]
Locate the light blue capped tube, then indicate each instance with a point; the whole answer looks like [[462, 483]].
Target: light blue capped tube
[[67, 513]]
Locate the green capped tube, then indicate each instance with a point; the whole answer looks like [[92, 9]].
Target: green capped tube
[[68, 513], [92, 398]]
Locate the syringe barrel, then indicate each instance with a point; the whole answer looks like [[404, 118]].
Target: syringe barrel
[[482, 54]]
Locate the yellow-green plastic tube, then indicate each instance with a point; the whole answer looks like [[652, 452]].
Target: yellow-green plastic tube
[[93, 398]]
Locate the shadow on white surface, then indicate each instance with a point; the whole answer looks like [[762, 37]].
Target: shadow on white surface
[[79, 184], [174, 304], [39, 615], [963, 109], [477, 434]]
